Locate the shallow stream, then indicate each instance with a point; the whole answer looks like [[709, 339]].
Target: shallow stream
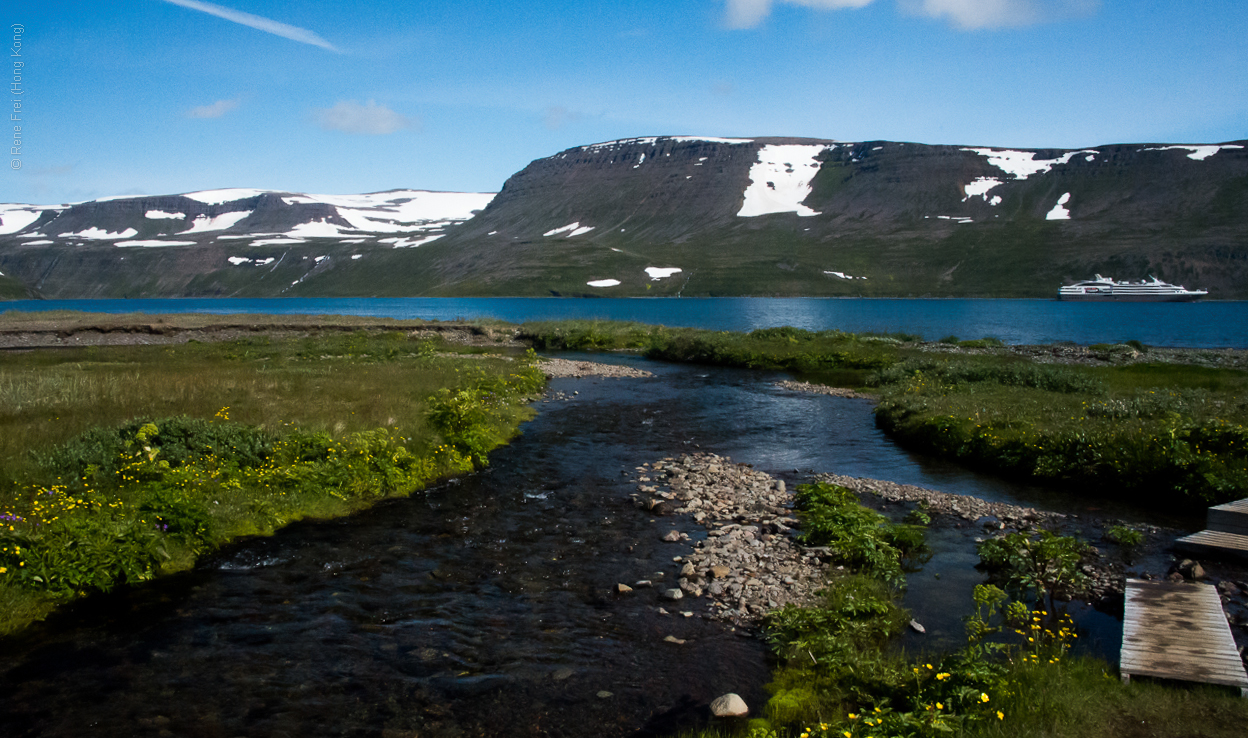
[[484, 606]]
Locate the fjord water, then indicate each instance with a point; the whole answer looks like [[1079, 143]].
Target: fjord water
[[482, 606], [1189, 325]]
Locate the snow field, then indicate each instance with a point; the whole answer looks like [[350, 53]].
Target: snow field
[[572, 229], [219, 197], [1199, 153], [780, 180], [99, 234], [14, 218], [657, 273], [980, 188], [220, 222], [151, 243], [1023, 164], [1059, 211]]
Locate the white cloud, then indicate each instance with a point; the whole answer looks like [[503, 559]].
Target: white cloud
[[963, 14], [558, 115], [369, 119], [277, 28], [973, 14], [749, 13], [215, 110]]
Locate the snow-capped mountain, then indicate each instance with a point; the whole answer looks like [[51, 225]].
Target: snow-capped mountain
[[679, 215], [398, 218]]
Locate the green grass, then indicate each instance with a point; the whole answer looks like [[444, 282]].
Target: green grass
[[767, 348], [1160, 433], [120, 464]]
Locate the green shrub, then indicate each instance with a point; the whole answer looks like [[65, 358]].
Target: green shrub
[[1128, 538], [859, 537], [1044, 562], [180, 440]]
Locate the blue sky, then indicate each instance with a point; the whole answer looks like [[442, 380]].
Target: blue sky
[[168, 96]]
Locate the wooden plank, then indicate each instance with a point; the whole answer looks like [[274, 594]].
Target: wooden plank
[[1179, 631], [1215, 543], [1240, 506]]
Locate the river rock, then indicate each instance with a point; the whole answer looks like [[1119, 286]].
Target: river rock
[[672, 537], [673, 594], [917, 627], [729, 705], [623, 589], [674, 639], [747, 515]]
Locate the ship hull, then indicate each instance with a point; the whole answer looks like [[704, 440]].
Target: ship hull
[[1104, 297]]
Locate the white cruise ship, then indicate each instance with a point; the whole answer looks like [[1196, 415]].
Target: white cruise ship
[[1106, 289]]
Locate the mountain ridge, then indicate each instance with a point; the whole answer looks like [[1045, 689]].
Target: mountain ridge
[[686, 215]]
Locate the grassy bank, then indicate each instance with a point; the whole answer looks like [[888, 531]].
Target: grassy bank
[[837, 675], [1161, 433], [118, 464]]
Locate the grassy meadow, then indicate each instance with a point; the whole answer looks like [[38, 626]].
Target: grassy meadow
[[120, 463]]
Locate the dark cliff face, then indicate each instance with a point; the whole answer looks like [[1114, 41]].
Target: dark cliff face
[[767, 216], [901, 218]]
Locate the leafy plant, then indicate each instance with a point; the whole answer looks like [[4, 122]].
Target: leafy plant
[[1128, 538], [1044, 562], [859, 537]]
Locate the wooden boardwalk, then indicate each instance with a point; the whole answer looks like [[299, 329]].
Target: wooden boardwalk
[[1226, 534], [1178, 631]]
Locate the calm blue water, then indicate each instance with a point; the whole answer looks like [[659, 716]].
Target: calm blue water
[[1194, 325]]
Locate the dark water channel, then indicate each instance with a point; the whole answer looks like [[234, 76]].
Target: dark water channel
[[484, 606]]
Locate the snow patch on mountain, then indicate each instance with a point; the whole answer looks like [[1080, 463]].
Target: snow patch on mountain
[[220, 222], [99, 234], [153, 243], [621, 142], [1023, 164], [711, 139], [160, 214], [980, 188], [1199, 153], [657, 273], [1059, 211], [220, 197], [316, 229], [277, 241], [780, 179], [401, 210], [14, 218], [405, 243], [603, 283], [572, 229]]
